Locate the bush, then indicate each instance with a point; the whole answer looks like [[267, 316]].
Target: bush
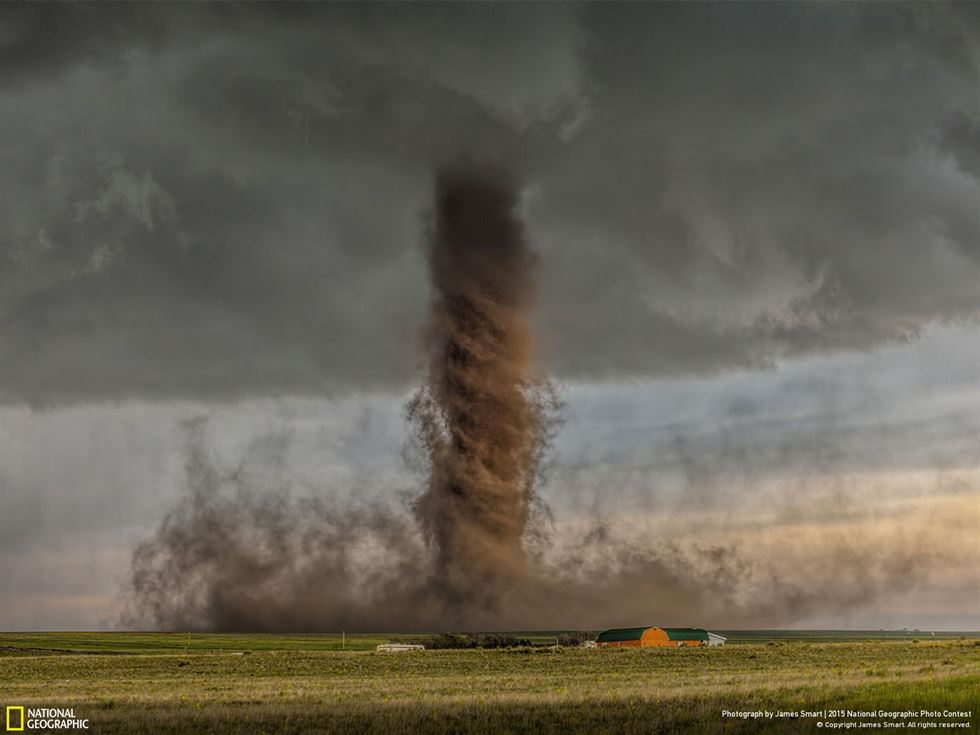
[[449, 640], [570, 640], [502, 641], [464, 640]]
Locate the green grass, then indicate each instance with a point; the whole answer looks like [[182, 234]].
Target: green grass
[[62, 642], [147, 683], [192, 642]]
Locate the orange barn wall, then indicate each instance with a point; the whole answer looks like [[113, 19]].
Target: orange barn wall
[[657, 637]]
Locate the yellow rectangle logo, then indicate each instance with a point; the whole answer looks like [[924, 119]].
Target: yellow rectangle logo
[[10, 727]]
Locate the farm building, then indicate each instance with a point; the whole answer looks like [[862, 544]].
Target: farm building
[[649, 637]]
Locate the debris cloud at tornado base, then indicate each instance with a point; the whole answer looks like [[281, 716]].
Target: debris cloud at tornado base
[[472, 550], [480, 424]]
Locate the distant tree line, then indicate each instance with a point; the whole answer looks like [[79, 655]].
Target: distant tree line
[[494, 640]]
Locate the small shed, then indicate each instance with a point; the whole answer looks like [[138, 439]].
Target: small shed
[[651, 637], [716, 640]]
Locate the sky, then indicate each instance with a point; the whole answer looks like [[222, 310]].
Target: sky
[[757, 230]]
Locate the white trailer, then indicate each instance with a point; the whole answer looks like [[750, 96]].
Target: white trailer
[[399, 647]]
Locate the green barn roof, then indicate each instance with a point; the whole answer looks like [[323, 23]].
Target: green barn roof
[[621, 634], [686, 634]]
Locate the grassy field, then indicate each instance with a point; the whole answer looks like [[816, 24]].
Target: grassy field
[[62, 642], [172, 683]]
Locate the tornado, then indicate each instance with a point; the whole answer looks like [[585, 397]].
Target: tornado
[[479, 413], [240, 552]]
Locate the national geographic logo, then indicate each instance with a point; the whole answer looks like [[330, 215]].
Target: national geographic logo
[[19, 718]]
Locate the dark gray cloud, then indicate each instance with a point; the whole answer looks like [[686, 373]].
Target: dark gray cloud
[[225, 200]]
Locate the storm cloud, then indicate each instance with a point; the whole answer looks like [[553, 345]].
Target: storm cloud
[[757, 240], [225, 201]]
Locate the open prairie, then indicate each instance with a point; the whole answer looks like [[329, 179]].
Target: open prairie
[[175, 683]]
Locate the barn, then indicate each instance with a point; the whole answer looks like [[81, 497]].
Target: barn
[[652, 636]]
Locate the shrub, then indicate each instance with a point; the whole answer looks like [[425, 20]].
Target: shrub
[[502, 641], [448, 640], [573, 639], [464, 640]]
